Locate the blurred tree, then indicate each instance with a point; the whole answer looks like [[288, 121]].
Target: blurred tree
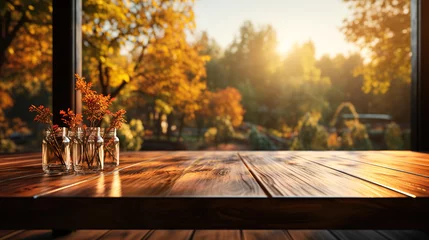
[[151, 33], [25, 61], [382, 30], [224, 104], [311, 135], [250, 63], [214, 68], [345, 86], [25, 42], [300, 86]]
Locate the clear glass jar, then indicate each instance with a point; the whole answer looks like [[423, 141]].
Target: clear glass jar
[[111, 148], [87, 150], [56, 152]]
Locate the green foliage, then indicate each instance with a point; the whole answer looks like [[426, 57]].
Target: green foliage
[[259, 141], [312, 135], [131, 135], [393, 137]]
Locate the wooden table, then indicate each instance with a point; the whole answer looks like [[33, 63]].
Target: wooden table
[[222, 190]]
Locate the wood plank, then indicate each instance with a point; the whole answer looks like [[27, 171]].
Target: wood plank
[[213, 213], [384, 159], [284, 174], [5, 158], [217, 235], [39, 184], [4, 234], [84, 235], [357, 235], [7, 174], [124, 234], [217, 174], [311, 234], [412, 185], [32, 234], [154, 177], [170, 234], [404, 234], [26, 162], [265, 234]]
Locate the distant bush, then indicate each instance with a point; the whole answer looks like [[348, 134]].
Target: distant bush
[[210, 135], [7, 146], [356, 138], [222, 132], [131, 135], [311, 135], [225, 130], [259, 141], [393, 137]]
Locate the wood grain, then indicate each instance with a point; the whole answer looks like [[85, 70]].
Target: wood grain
[[154, 177], [358, 235], [124, 234], [401, 181], [215, 175], [404, 234], [265, 234], [224, 234], [388, 159], [218, 190], [216, 235], [311, 234], [170, 234], [284, 174], [35, 184], [32, 234]]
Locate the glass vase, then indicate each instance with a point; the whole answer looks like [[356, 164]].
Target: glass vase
[[87, 150], [111, 148], [56, 152]]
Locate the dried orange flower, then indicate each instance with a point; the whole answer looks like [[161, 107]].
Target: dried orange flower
[[71, 119], [95, 105], [43, 115], [118, 119]]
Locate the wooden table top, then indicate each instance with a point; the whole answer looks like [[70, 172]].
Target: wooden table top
[[280, 189]]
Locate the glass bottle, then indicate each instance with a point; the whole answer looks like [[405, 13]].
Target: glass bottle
[[56, 152], [111, 148], [88, 152]]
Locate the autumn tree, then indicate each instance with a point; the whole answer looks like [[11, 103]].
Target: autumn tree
[[25, 41], [250, 63], [152, 33], [25, 60], [219, 106], [382, 30]]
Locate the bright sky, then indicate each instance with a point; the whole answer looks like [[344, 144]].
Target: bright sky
[[295, 21]]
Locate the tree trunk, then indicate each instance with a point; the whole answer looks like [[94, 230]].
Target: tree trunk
[[199, 121], [170, 121], [181, 124], [158, 126]]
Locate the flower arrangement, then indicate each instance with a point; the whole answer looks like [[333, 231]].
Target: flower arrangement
[[86, 139]]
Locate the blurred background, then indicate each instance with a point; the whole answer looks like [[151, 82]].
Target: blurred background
[[222, 75]]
